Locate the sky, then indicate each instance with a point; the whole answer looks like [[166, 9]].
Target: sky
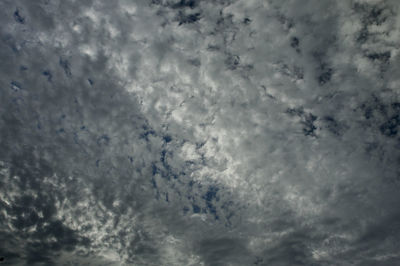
[[199, 132]]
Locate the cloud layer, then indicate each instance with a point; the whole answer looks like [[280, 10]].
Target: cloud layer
[[199, 132]]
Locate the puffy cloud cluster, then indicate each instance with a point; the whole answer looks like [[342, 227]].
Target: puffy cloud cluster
[[199, 132]]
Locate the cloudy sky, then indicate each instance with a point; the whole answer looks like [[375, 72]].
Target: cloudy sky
[[200, 132]]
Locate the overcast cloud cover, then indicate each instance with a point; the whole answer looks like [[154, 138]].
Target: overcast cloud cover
[[189, 132]]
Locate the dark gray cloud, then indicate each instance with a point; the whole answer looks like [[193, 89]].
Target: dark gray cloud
[[199, 132]]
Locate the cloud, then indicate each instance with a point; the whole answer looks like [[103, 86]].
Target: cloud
[[199, 133]]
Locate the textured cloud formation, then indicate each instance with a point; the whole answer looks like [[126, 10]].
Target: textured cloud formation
[[188, 132]]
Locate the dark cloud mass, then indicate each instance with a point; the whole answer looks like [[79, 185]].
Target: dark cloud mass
[[185, 132]]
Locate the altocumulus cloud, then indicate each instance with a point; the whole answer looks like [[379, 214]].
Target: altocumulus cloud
[[188, 132]]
